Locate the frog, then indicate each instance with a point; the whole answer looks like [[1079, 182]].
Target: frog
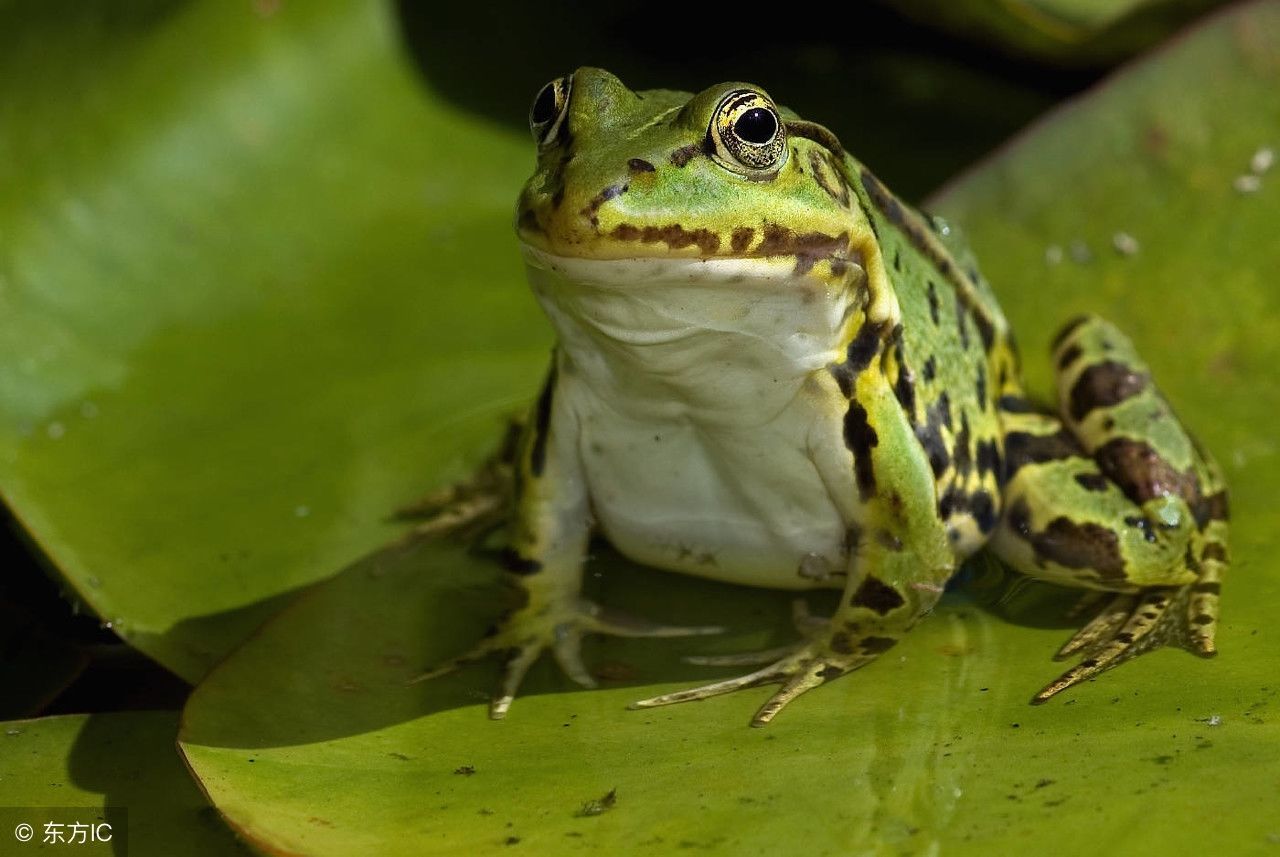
[[771, 371]]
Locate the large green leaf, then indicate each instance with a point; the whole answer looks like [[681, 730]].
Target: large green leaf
[[308, 739], [119, 768], [226, 245], [1064, 32]]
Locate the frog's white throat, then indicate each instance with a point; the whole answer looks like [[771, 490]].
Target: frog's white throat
[[722, 340]]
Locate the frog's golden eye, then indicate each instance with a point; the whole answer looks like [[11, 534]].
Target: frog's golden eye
[[546, 115], [747, 134]]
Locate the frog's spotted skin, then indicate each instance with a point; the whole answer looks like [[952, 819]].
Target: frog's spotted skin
[[770, 371]]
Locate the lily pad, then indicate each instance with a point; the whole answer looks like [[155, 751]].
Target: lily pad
[[118, 768], [309, 738], [193, 376], [1062, 32]]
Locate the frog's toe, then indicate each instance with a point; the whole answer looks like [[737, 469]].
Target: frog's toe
[[492, 643], [1129, 626], [513, 674], [473, 508], [817, 674], [467, 520], [761, 676], [559, 627], [809, 627], [567, 650], [604, 620], [521, 654], [1101, 628], [1202, 613], [801, 670], [741, 659]]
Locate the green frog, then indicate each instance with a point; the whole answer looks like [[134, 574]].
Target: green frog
[[771, 371]]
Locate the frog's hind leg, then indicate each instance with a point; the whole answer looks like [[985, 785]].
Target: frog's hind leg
[[1114, 495]]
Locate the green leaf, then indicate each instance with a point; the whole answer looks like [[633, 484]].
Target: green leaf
[[121, 768], [1063, 32], [309, 738], [254, 295]]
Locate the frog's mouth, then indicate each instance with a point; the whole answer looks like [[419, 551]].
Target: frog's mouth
[[829, 256], [744, 273], [760, 303]]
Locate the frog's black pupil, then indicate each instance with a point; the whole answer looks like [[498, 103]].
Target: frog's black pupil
[[757, 126], [544, 106]]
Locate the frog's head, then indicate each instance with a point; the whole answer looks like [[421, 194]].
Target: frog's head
[[723, 174]]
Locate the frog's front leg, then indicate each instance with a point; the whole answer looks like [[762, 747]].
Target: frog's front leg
[[548, 543], [1114, 495], [899, 560]]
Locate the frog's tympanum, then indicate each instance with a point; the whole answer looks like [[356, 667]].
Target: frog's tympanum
[[771, 371]]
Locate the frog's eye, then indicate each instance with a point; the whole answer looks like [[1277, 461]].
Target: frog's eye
[[548, 110], [747, 134]]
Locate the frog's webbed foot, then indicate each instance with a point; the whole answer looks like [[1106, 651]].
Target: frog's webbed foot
[[471, 509], [804, 668], [526, 634], [798, 667], [1132, 624]]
